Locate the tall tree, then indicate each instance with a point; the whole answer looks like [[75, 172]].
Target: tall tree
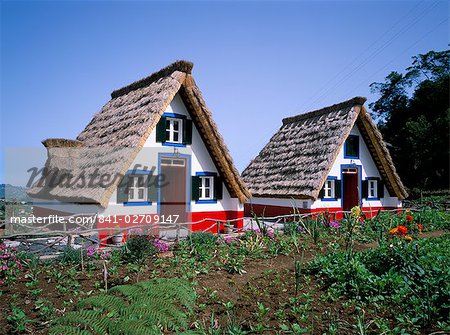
[[413, 115]]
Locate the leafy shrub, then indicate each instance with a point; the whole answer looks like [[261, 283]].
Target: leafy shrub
[[71, 255], [144, 308], [416, 276], [138, 248], [202, 245]]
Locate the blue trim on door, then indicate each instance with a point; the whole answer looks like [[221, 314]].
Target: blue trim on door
[[188, 177], [359, 167]]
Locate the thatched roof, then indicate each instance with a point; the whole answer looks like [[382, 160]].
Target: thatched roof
[[115, 135], [298, 158]]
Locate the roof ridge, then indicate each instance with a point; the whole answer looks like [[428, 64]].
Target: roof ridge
[[325, 110], [179, 65]]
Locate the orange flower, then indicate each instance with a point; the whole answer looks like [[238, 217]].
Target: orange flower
[[402, 230], [408, 238], [393, 231], [420, 226], [409, 218]]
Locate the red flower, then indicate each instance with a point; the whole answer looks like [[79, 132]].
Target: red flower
[[420, 226], [402, 230], [409, 218]]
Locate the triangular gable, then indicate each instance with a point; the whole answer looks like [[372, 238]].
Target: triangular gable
[[118, 132], [298, 158]]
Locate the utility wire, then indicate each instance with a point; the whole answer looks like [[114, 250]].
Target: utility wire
[[375, 53], [401, 53]]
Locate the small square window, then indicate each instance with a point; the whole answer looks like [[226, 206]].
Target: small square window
[[372, 189], [137, 189], [351, 147], [206, 189], [174, 129], [329, 191]]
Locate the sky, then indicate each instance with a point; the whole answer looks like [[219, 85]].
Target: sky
[[255, 62]]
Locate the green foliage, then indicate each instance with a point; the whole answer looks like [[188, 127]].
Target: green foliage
[[417, 124], [414, 276], [18, 320], [201, 245], [71, 256], [144, 308], [138, 248]]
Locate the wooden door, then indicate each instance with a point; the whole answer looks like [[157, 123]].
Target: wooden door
[[173, 195], [350, 182]]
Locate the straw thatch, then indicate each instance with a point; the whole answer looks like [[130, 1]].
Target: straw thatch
[[111, 141], [298, 158]]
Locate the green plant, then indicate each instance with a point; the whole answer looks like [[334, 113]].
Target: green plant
[[45, 308], [71, 255], [138, 248], [10, 265], [143, 308], [18, 320], [201, 245]]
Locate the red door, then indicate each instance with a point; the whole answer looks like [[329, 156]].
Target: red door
[[350, 189], [173, 194]]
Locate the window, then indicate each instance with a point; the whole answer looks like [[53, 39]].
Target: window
[[351, 147], [137, 189], [206, 188], [372, 189], [329, 189], [174, 130]]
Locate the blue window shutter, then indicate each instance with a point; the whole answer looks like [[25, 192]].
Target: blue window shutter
[[322, 193], [122, 190], [161, 130], [187, 132], [380, 189], [195, 187], [337, 189], [152, 188], [365, 189], [218, 188]]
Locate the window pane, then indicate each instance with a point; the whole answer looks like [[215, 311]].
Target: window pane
[[141, 194], [207, 182], [140, 181], [131, 194], [207, 193], [352, 146], [176, 125], [175, 136]]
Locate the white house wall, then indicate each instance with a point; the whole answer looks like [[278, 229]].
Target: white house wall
[[368, 169], [200, 162]]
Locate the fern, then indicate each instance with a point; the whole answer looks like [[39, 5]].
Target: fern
[[68, 330], [143, 308]]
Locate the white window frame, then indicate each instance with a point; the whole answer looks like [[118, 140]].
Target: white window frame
[[372, 188], [329, 189], [203, 188], [134, 188], [172, 131]]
